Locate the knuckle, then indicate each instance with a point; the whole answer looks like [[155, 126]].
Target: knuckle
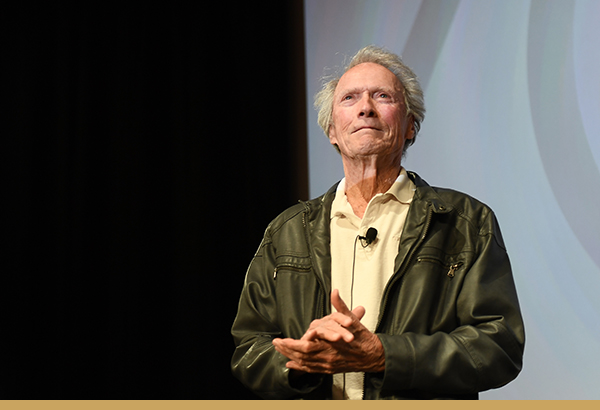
[[315, 323], [329, 368]]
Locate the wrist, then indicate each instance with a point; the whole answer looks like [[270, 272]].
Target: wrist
[[377, 356]]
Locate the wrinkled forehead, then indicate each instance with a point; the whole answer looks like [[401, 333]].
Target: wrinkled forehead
[[368, 76]]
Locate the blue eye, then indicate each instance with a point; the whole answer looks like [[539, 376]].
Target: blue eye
[[348, 97]]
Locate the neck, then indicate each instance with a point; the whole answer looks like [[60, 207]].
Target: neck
[[366, 178]]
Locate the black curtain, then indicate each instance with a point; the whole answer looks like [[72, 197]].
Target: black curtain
[[147, 147]]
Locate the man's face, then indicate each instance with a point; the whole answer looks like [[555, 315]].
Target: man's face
[[369, 114]]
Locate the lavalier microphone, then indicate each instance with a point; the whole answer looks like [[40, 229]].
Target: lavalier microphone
[[369, 237]]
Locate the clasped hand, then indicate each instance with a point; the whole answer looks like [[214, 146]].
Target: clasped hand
[[337, 343]]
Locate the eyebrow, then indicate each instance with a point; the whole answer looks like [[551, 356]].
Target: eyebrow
[[357, 90]]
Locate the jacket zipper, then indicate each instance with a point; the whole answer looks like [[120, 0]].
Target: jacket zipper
[[290, 267], [409, 260], [401, 278], [451, 268]]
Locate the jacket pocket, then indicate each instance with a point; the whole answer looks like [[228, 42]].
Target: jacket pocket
[[291, 264], [290, 269], [450, 267]]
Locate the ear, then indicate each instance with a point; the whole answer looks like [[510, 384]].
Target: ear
[[332, 135], [410, 130]]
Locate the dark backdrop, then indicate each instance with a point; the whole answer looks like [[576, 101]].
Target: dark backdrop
[[146, 149]]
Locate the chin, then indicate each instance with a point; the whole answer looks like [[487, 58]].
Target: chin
[[374, 146]]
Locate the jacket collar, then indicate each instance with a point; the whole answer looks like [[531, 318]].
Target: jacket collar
[[429, 194], [317, 219], [320, 207]]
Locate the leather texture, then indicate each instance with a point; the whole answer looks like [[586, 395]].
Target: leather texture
[[449, 320]]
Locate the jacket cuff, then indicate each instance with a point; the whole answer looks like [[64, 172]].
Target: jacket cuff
[[399, 362], [304, 383]]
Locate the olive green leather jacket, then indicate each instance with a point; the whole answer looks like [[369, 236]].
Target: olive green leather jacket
[[449, 319]]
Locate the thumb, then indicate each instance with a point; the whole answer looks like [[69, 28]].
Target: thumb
[[359, 312]]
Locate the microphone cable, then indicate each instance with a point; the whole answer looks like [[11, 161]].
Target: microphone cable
[[370, 237]]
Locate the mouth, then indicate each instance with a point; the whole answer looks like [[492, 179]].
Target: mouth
[[366, 128]]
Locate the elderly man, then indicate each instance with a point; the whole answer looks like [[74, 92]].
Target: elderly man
[[384, 287]]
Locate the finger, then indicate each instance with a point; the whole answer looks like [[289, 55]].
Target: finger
[[341, 319], [298, 348], [292, 365], [359, 312], [290, 344], [310, 334], [332, 320], [338, 303], [309, 361], [355, 315], [287, 351], [332, 332], [335, 322], [309, 367], [295, 366]]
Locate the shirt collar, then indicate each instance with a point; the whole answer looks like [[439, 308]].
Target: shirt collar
[[403, 189]]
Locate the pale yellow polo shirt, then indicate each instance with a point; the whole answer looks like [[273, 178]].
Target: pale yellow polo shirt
[[373, 264]]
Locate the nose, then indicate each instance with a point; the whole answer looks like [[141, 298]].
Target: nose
[[367, 108], [367, 113]]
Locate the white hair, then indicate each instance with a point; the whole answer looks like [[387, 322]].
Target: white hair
[[411, 89]]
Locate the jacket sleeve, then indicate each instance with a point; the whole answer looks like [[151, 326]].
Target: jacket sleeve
[[485, 351], [255, 361]]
